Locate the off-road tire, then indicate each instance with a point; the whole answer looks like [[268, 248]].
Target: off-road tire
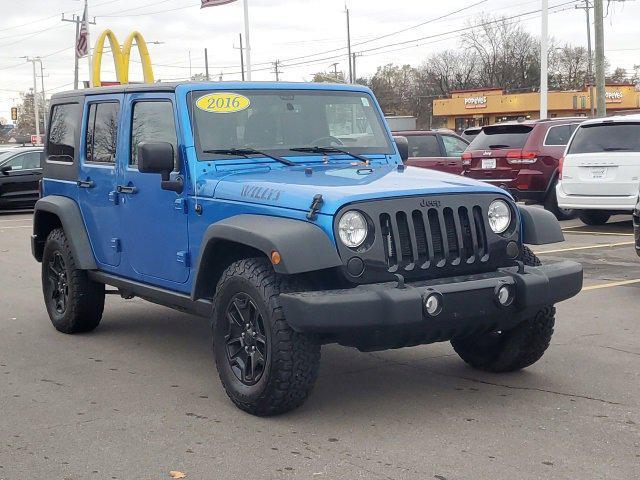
[[292, 359], [84, 302], [594, 217], [511, 350], [551, 204]]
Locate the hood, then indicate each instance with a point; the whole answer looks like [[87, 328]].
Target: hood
[[339, 184]]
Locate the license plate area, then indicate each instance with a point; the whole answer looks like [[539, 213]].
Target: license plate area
[[488, 163], [597, 173]]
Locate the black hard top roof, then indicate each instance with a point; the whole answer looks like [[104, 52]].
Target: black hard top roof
[[129, 88]]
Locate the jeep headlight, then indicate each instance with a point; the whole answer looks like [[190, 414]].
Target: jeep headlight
[[499, 216], [352, 229]]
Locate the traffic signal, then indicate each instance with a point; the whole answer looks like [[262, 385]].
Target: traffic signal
[[14, 113]]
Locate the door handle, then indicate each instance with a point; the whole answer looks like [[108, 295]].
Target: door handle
[[126, 189], [85, 183]]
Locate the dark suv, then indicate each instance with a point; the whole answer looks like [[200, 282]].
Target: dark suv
[[524, 157], [436, 150], [20, 172]]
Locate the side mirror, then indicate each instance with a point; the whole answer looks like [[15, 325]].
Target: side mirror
[[157, 157], [6, 169], [403, 147]]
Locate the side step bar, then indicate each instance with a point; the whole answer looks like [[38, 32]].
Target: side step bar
[[161, 296]]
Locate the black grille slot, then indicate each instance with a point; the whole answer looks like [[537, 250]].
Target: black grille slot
[[431, 238]]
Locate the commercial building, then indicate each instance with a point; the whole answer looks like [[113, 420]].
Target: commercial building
[[470, 108]]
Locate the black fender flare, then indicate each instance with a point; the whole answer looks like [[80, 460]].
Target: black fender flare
[[68, 212], [539, 227], [303, 246]]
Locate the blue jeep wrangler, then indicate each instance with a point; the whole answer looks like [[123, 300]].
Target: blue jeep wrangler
[[284, 214]]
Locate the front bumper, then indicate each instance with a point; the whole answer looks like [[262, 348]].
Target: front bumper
[[469, 303]]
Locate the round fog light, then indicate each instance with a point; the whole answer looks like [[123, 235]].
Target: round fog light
[[504, 295], [433, 304]]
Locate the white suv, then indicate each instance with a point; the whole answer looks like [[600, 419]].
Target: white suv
[[600, 171]]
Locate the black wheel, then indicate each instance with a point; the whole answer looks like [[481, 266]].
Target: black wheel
[[507, 351], [551, 204], [265, 367], [594, 217], [73, 301]]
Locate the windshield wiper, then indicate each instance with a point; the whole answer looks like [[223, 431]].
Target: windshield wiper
[[498, 146], [324, 150], [615, 149], [245, 152]]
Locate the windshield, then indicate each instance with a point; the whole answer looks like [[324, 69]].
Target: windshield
[[607, 137], [501, 136], [276, 121]]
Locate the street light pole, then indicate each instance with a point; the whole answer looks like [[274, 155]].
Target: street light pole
[[587, 7], [247, 46], [349, 46], [544, 59]]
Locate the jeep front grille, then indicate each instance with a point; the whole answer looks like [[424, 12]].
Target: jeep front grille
[[425, 238]]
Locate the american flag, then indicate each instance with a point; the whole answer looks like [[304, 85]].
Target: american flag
[[82, 44], [214, 3]]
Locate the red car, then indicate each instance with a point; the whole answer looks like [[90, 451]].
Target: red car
[[434, 149], [522, 157]]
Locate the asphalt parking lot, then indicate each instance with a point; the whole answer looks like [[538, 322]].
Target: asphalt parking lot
[[140, 396]]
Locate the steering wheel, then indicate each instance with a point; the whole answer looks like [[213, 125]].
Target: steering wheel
[[334, 141]]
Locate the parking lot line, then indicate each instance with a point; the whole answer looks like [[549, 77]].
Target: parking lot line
[[19, 226], [603, 245], [572, 232], [611, 284]]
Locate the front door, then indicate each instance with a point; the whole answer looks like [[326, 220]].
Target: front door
[[97, 178], [154, 221], [19, 180]]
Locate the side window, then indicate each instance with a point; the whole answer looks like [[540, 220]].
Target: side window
[[32, 161], [453, 147], [62, 132], [560, 134], [423, 146], [17, 162], [102, 132], [153, 122]]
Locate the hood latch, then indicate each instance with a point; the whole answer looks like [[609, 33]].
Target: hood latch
[[316, 203]]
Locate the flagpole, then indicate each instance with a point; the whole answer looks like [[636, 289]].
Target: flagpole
[[86, 12], [247, 47]]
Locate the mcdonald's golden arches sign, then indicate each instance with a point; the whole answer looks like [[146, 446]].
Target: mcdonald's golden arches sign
[[121, 57]]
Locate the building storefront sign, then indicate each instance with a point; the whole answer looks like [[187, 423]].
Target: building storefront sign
[[613, 97], [475, 102]]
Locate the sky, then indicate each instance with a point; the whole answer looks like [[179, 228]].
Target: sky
[[306, 36]]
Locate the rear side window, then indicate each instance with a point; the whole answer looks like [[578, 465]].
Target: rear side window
[[423, 146], [153, 122], [501, 136], [453, 146], [560, 134], [62, 132], [607, 137], [102, 132]]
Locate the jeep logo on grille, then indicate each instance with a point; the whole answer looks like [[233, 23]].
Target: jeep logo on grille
[[430, 203]]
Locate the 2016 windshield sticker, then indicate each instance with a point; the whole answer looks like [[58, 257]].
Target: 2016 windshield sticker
[[223, 102]]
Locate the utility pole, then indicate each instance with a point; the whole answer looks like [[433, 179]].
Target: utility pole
[[241, 57], [276, 69], [349, 45], [77, 20], [335, 70], [544, 60], [206, 64], [598, 11], [355, 78], [587, 7], [44, 96], [35, 94]]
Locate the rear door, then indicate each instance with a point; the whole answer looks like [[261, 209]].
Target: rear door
[[491, 148], [19, 186], [98, 177], [425, 151], [603, 159], [453, 147]]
